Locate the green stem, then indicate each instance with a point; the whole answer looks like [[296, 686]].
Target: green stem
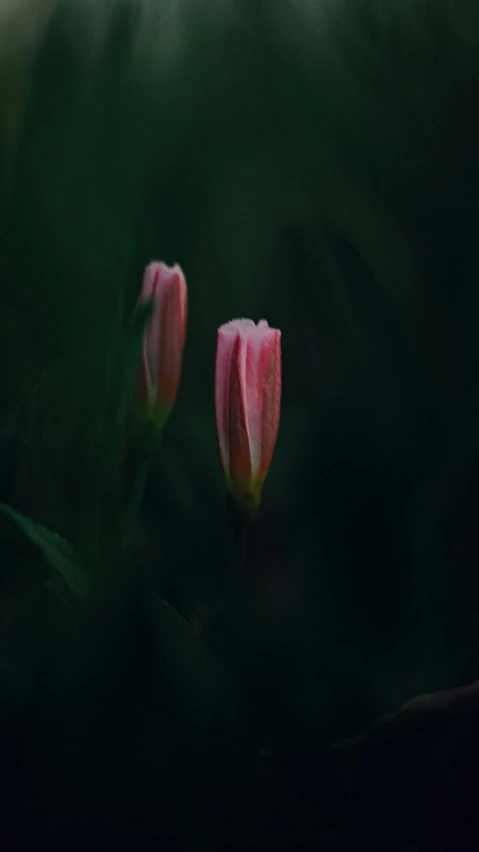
[[138, 489], [136, 496], [240, 550], [242, 521], [241, 525]]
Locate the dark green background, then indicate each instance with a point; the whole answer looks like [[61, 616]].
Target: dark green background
[[314, 164]]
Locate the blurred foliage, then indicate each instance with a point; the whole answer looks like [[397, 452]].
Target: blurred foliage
[[315, 164]]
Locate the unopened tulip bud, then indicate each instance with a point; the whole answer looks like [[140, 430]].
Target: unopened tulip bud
[[247, 403], [164, 340]]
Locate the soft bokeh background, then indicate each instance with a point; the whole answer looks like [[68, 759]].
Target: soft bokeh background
[[311, 163]]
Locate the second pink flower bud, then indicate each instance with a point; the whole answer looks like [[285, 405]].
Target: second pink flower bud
[[164, 340]]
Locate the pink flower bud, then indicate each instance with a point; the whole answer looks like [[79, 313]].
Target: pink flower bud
[[247, 402], [164, 340]]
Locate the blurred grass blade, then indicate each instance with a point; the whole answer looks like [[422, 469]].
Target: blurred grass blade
[[130, 361], [55, 550]]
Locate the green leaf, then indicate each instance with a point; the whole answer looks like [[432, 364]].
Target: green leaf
[[55, 550]]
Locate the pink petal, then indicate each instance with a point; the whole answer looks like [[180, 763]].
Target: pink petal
[[227, 335], [271, 398], [239, 451], [257, 339], [171, 335]]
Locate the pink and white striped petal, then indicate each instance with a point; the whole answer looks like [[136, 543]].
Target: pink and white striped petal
[[247, 402], [164, 339]]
